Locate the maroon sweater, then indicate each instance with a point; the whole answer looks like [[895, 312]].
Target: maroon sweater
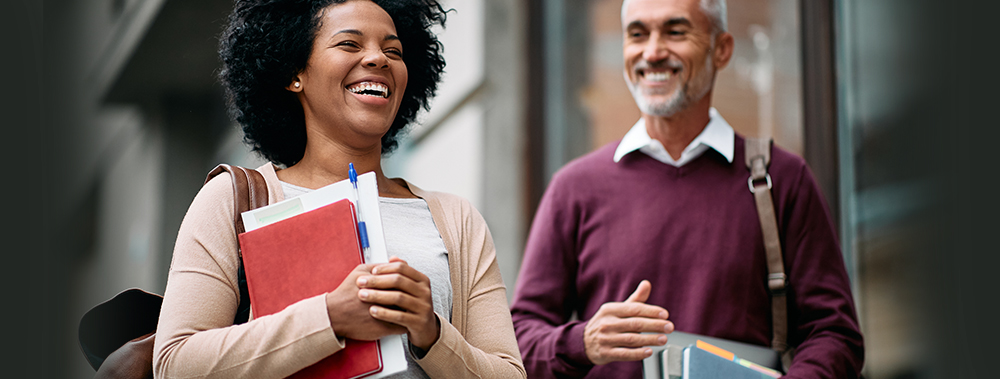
[[692, 231]]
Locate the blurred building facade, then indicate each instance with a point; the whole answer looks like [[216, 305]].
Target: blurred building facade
[[529, 86]]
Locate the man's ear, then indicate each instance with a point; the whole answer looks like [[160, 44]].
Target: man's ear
[[724, 44], [295, 85]]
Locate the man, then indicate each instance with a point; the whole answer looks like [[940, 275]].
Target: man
[[664, 220]]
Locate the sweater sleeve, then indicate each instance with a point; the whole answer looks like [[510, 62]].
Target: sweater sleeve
[[822, 319], [195, 336], [487, 347], [551, 344]]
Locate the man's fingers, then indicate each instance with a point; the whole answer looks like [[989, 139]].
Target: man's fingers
[[641, 293], [624, 310], [636, 325], [619, 354], [632, 339]]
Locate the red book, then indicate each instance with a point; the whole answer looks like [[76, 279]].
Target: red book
[[301, 257]]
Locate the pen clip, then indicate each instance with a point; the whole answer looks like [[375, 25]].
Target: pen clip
[[352, 174]]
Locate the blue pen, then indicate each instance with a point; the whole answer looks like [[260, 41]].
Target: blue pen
[[362, 229]]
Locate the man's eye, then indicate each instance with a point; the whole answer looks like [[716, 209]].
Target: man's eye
[[676, 32]]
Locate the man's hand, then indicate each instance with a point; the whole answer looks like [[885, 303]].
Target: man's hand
[[614, 333]]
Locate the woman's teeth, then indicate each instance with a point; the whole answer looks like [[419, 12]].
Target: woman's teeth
[[370, 89]]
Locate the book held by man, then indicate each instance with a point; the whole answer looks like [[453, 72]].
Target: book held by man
[[667, 360], [705, 361]]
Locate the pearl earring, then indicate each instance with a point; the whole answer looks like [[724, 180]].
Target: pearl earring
[[297, 84]]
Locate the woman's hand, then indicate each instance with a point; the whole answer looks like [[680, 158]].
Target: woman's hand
[[350, 317], [401, 295]]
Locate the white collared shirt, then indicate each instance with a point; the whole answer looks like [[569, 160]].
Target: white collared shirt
[[718, 135]]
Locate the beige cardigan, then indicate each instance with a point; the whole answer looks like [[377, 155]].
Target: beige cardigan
[[196, 338]]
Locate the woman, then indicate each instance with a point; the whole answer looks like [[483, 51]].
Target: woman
[[316, 85]]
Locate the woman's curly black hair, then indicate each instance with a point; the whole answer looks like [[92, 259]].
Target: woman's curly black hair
[[268, 42]]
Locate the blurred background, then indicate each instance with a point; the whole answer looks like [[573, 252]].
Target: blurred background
[[113, 116]]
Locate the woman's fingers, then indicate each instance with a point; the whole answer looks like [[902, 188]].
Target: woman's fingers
[[396, 299], [401, 295], [399, 266], [397, 275], [349, 316], [395, 281], [422, 330], [395, 316]]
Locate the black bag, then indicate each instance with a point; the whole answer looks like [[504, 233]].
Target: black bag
[[117, 335]]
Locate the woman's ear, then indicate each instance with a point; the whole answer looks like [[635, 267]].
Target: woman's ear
[[295, 85]]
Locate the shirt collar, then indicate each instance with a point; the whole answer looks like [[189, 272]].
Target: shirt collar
[[718, 135]]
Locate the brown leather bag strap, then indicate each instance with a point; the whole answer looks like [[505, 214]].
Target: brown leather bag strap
[[758, 156], [249, 192]]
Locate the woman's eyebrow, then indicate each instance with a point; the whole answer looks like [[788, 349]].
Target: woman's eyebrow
[[388, 37], [350, 31]]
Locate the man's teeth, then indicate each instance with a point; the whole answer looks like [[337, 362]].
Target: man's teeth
[[370, 89], [657, 76]]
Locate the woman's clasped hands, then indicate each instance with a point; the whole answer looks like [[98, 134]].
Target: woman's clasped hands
[[381, 299]]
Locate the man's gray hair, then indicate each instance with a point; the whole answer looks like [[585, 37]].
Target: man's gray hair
[[714, 9]]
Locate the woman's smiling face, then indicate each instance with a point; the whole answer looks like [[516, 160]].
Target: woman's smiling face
[[355, 77]]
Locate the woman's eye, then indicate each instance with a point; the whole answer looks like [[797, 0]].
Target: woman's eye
[[350, 44], [394, 52]]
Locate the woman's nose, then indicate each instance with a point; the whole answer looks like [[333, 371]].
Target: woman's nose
[[376, 58]]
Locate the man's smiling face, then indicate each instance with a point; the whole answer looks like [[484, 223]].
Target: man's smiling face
[[668, 50]]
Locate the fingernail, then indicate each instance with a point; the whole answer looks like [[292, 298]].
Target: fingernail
[[363, 294], [374, 270], [374, 310], [648, 352], [362, 281], [669, 327], [662, 340], [663, 314]]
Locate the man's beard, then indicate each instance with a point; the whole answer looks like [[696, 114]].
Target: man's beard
[[681, 98]]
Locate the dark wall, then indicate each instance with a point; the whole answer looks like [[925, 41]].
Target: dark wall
[[949, 138], [968, 276], [50, 209], [32, 270]]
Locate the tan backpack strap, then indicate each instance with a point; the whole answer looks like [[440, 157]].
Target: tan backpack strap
[[249, 192], [758, 156]]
